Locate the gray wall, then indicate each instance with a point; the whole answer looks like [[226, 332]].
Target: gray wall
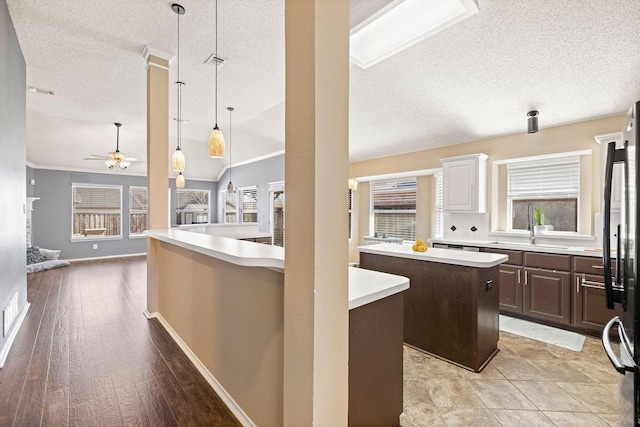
[[51, 217], [13, 141], [52, 213], [259, 173]]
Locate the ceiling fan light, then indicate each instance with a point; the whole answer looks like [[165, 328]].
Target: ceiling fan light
[[124, 164], [216, 143], [180, 180], [177, 160], [110, 163]]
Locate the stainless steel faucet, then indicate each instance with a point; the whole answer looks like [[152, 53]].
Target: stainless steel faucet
[[531, 224]]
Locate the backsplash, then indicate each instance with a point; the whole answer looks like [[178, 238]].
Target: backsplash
[[466, 226]]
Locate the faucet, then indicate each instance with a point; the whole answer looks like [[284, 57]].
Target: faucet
[[530, 224]]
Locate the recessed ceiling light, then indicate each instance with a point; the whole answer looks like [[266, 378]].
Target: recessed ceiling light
[[394, 29], [39, 90]]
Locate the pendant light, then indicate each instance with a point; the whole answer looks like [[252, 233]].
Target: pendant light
[[216, 138], [177, 160], [230, 187], [180, 180]]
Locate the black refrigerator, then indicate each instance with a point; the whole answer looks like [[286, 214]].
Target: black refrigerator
[[620, 283]]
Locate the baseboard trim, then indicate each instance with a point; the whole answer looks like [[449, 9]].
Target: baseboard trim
[[106, 257], [213, 382], [12, 335]]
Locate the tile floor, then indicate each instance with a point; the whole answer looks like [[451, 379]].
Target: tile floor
[[528, 383]]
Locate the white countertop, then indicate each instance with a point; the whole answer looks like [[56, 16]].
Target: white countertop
[[365, 286], [554, 249], [239, 252], [443, 256]]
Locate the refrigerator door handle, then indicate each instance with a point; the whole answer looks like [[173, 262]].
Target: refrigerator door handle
[[606, 228], [606, 343]]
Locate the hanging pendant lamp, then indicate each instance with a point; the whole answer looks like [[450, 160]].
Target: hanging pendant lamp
[[216, 138], [230, 187], [180, 180], [177, 160]]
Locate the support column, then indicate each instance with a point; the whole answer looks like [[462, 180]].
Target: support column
[[157, 159], [316, 249]]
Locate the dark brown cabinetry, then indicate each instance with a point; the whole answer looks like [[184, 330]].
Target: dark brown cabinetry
[[450, 311], [547, 295], [511, 274], [589, 309], [265, 240]]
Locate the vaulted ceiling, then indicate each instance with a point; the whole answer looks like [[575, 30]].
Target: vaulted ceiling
[[570, 60]]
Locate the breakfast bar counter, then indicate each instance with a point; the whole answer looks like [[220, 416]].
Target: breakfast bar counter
[[451, 309], [222, 300]]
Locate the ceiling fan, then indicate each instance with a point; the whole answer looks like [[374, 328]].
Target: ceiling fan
[[115, 159]]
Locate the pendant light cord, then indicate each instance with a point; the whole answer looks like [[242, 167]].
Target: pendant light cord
[[215, 62], [179, 83]]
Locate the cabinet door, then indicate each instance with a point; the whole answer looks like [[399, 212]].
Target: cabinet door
[[547, 295], [589, 307], [510, 289], [460, 186]]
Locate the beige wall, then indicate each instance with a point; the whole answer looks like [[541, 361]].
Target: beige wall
[[232, 318], [560, 139]]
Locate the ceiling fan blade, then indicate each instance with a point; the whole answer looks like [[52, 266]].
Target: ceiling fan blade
[[96, 157]]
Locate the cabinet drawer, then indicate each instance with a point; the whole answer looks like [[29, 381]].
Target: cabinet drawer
[[515, 257], [547, 261], [590, 265]]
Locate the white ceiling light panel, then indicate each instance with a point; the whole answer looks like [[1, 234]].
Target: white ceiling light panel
[[403, 25]]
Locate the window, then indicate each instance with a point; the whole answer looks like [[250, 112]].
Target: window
[[192, 206], [96, 211], [551, 186], [438, 230], [138, 203], [394, 208], [230, 207], [249, 205]]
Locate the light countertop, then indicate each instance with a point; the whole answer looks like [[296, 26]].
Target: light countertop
[[365, 286], [443, 256]]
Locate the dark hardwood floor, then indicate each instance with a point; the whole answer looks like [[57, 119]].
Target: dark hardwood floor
[[86, 355]]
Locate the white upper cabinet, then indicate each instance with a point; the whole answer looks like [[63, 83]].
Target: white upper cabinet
[[465, 183]]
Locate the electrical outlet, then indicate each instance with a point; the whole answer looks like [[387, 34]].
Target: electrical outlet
[[95, 246]]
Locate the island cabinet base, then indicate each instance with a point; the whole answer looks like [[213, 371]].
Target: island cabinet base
[[375, 363], [450, 311]]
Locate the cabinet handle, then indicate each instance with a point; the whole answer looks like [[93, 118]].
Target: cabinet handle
[[578, 284], [519, 277], [526, 278], [598, 267]]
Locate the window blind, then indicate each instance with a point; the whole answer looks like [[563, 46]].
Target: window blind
[[350, 207], [96, 211], [394, 208], [138, 205], [556, 178], [230, 210], [439, 205], [249, 197], [192, 206]]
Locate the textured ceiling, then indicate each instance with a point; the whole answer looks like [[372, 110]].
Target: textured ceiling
[[570, 60]]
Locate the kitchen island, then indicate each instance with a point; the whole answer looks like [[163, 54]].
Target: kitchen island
[[452, 308], [222, 300]]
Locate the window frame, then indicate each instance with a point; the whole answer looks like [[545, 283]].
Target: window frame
[[197, 190], [566, 159], [133, 211], [75, 238], [225, 197], [373, 211], [240, 209]]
